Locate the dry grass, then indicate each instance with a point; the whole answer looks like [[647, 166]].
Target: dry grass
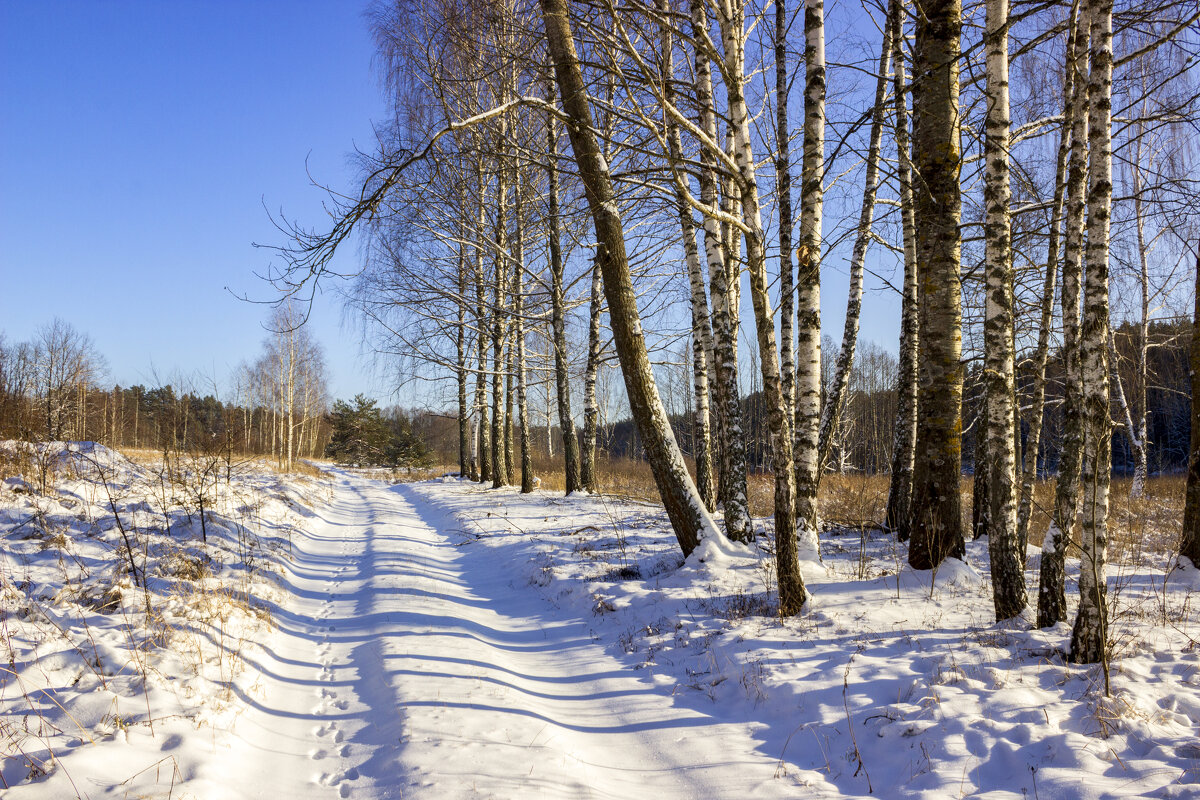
[[153, 458], [18, 461], [1137, 526], [306, 468], [853, 500]]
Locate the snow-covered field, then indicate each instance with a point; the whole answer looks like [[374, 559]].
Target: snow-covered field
[[106, 687], [443, 640]]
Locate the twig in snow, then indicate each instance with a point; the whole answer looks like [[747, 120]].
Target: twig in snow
[[850, 727]]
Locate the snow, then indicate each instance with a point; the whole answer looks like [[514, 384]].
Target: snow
[[443, 640]]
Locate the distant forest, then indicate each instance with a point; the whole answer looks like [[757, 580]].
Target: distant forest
[[864, 440]]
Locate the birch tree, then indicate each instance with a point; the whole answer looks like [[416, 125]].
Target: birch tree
[[1052, 600], [562, 378], [1090, 634], [808, 280], [789, 529], [1189, 543], [783, 189], [701, 327], [591, 407], [687, 513], [899, 505], [721, 264], [937, 522], [1008, 579]]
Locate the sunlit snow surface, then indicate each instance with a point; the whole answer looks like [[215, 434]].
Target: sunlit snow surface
[[443, 640]]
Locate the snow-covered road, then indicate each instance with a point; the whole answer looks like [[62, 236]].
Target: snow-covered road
[[407, 665], [444, 639]]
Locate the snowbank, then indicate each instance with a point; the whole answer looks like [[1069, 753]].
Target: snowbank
[[125, 635]]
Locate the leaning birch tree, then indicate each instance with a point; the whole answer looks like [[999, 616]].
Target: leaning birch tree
[[682, 502]]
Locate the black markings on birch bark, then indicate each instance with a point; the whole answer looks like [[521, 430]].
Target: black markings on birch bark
[[701, 331], [562, 378], [808, 278], [483, 446], [792, 593], [527, 480], [591, 408], [721, 263], [460, 353], [783, 188], [1007, 565], [500, 469], [1052, 598], [1089, 637]]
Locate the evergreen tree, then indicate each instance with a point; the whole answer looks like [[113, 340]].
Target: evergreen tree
[[360, 434]]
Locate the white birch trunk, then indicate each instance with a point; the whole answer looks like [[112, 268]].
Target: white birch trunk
[[1008, 579], [792, 593], [701, 331], [1089, 638], [1052, 598], [591, 409], [724, 385], [808, 282]]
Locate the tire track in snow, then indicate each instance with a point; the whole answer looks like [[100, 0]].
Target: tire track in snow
[[505, 699], [406, 666]]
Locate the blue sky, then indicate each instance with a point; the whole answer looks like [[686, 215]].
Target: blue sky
[[138, 144]]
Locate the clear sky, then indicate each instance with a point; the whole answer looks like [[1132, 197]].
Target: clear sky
[[139, 142]]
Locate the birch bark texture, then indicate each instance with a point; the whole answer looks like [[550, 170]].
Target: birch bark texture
[[701, 330], [1052, 597], [726, 397], [783, 189], [808, 280], [483, 448], [461, 368], [1089, 636], [527, 477], [792, 593], [562, 377], [500, 466], [937, 205], [1007, 564], [591, 369]]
